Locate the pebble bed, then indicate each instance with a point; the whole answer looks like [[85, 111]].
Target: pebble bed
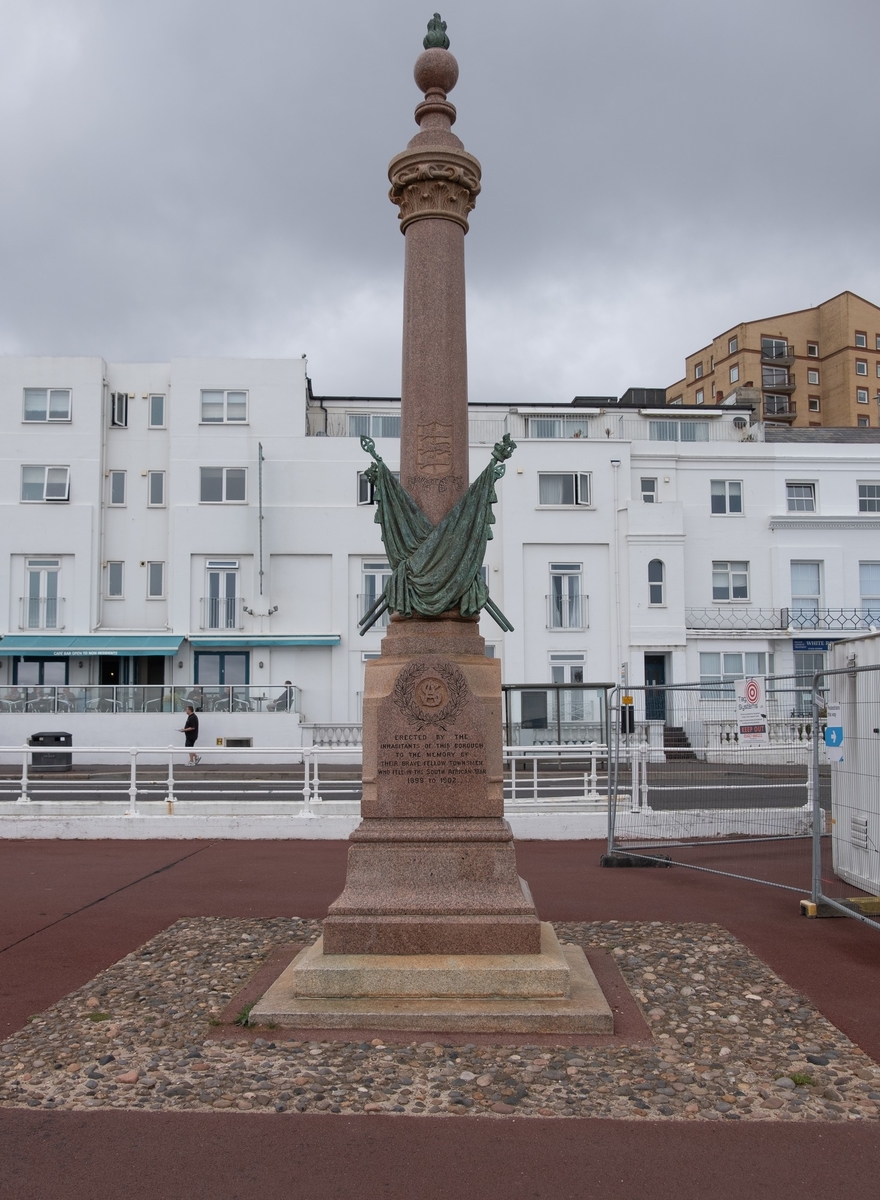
[[731, 1042]]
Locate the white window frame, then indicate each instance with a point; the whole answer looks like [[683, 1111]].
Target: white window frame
[[48, 418], [869, 499], [224, 485], [567, 603], [732, 345], [656, 586], [699, 396], [698, 370], [814, 404], [649, 494], [812, 600], [223, 609], [807, 502], [731, 569], [375, 574], [108, 579], [666, 430], [42, 607], [733, 491], [151, 424], [717, 677], [861, 395], [45, 499], [112, 477], [225, 419], [119, 410], [812, 349], [557, 426], [151, 503], [160, 595], [861, 366], [734, 373], [869, 597], [861, 340], [366, 491], [581, 482], [367, 424], [864, 422], [813, 377]]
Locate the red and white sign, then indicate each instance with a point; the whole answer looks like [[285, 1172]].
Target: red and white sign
[[751, 711]]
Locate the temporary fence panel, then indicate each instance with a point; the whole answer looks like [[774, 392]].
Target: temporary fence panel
[[702, 781], [847, 851]]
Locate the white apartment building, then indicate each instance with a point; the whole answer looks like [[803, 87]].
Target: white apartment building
[[204, 526]]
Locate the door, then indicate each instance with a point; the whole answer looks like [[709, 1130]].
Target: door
[[222, 599], [655, 676], [569, 668], [41, 606]]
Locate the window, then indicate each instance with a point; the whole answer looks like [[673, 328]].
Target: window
[[864, 422], [878, 370], [375, 425], [718, 671], [676, 400], [698, 370], [45, 484], [656, 579], [119, 410], [813, 376], [725, 496], [774, 377], [806, 594], [730, 581], [219, 408], [774, 348], [813, 403], [221, 605], [366, 491], [800, 497], [861, 366], [375, 575], [156, 489], [649, 491], [734, 373], [812, 349], [565, 602], [568, 668], [114, 580], [861, 395], [699, 396], [776, 405], [117, 488], [559, 427], [568, 489], [155, 581], [225, 669], [223, 485], [869, 497], [861, 340], [157, 411], [42, 604], [869, 589], [732, 345], [806, 664], [40, 672], [47, 404], [678, 431]]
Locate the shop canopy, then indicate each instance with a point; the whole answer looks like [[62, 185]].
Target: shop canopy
[[248, 643], [143, 645]]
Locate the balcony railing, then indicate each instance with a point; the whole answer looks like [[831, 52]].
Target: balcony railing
[[99, 698], [567, 612], [41, 612], [781, 619], [221, 612], [773, 380], [782, 354], [782, 408]]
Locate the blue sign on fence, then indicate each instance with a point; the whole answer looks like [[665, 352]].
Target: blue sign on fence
[[833, 735]]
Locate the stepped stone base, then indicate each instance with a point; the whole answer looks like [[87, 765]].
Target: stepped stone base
[[551, 992]]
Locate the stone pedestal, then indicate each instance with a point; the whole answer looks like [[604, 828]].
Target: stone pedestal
[[431, 868]]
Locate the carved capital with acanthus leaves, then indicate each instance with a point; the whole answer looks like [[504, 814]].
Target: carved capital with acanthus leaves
[[434, 182]]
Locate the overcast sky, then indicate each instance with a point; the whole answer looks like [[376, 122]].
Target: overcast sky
[[203, 177]]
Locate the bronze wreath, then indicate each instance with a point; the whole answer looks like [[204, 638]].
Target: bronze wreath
[[404, 694]]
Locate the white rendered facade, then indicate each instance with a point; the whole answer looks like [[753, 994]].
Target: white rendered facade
[[593, 500]]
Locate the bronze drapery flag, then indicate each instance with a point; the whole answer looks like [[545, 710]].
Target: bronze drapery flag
[[435, 568]]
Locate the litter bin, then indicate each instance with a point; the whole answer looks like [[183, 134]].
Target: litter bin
[[51, 762]]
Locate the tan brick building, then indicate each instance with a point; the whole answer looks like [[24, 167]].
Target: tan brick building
[[815, 366]]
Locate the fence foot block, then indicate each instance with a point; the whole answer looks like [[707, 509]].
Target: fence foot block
[[627, 860], [810, 909]]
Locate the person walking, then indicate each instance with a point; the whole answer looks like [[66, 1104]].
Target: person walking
[[191, 733]]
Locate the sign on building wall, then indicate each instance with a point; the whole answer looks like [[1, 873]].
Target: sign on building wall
[[751, 711], [834, 734]]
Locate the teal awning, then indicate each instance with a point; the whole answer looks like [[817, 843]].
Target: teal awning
[[247, 643], [90, 645]]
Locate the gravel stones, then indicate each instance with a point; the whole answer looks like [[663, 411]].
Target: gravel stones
[[731, 1042]]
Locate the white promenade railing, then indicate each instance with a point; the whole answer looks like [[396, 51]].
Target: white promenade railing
[[574, 777]]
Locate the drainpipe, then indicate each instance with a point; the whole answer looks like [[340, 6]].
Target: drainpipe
[[615, 559]]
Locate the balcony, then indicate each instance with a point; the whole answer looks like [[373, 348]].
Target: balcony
[[567, 612], [41, 612], [221, 612], [777, 379], [781, 620], [779, 408], [781, 354], [100, 698]]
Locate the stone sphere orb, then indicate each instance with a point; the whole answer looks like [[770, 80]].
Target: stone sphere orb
[[436, 69]]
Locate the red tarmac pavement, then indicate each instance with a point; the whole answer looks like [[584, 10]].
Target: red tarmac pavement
[[69, 909]]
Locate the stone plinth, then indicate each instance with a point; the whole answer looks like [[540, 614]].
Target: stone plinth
[[554, 991], [431, 867]]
